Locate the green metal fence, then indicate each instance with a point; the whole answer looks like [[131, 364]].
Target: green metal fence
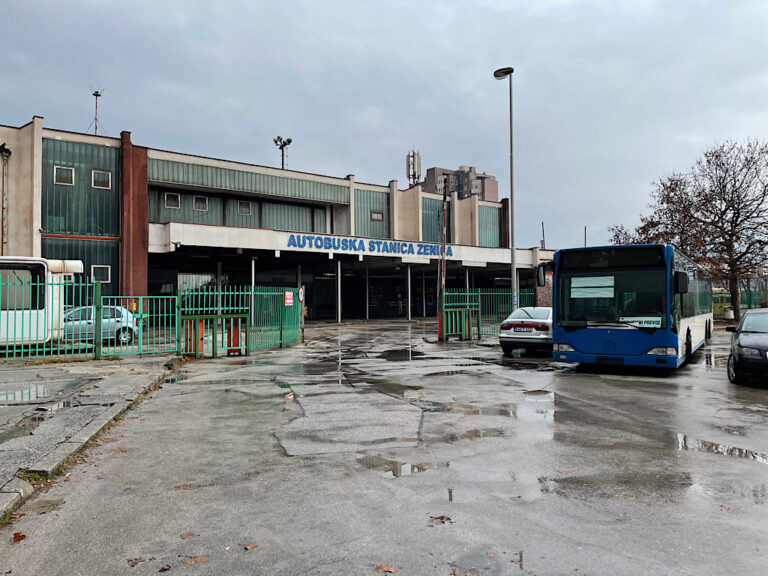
[[72, 319], [41, 319], [479, 313], [232, 319]]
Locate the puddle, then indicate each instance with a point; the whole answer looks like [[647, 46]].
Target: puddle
[[693, 445], [468, 409], [394, 389], [403, 355], [472, 434], [395, 468], [735, 430], [32, 392], [176, 377], [643, 486]]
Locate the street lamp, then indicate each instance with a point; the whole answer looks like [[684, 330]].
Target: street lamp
[[500, 74], [280, 143]]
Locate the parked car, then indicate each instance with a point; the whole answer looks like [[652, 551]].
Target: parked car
[[117, 324], [527, 327], [749, 347]]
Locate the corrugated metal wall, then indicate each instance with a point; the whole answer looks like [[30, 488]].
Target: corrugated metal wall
[[432, 221], [80, 209], [489, 222], [319, 217], [234, 218], [186, 212], [293, 217], [170, 172], [366, 202], [91, 252]]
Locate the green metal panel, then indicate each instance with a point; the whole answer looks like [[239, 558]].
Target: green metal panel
[[171, 172], [489, 223], [366, 203], [293, 217], [319, 220], [158, 212], [80, 209], [432, 221], [235, 218], [92, 253]]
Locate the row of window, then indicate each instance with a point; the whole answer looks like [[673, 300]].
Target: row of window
[[65, 176], [200, 203]]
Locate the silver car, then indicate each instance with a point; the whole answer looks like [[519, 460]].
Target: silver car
[[527, 327], [117, 323]]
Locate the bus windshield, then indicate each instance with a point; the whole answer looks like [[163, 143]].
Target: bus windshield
[[632, 297]]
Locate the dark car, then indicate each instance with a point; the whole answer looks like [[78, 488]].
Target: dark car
[[749, 347]]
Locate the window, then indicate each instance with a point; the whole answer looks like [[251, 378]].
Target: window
[[377, 216], [101, 273], [243, 208], [111, 313], [80, 315], [64, 175], [200, 203], [172, 200], [101, 179]]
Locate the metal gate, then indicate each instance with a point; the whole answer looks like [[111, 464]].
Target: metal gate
[[138, 325], [479, 313]]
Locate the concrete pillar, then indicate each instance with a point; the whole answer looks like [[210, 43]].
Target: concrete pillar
[[367, 295], [466, 279], [408, 291], [298, 276], [424, 293], [351, 178], [338, 291], [394, 211]]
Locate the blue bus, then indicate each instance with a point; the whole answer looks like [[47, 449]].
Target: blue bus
[[639, 305]]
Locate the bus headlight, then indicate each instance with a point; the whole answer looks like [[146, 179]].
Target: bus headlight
[[562, 348], [661, 351]]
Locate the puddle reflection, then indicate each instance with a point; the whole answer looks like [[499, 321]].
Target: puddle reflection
[[396, 468], [693, 445], [32, 392]]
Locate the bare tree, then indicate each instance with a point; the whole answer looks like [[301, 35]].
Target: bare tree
[[717, 213]]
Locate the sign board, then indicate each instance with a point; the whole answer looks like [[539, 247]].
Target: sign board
[[301, 294], [288, 298]]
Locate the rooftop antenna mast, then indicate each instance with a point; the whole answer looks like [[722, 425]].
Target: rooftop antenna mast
[[413, 167], [96, 93]]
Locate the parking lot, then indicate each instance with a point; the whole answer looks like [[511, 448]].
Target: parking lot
[[373, 444]]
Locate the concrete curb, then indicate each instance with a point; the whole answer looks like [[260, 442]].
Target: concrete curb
[[16, 491]]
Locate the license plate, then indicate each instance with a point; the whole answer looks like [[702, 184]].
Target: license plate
[[523, 329]]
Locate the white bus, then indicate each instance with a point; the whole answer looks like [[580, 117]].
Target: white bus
[[32, 299]]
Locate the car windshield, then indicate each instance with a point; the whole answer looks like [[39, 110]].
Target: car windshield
[[527, 313], [635, 297], [755, 323]]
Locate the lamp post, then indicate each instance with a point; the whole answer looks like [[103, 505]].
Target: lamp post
[[500, 74], [280, 143]]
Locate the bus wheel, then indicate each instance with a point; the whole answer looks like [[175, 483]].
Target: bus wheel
[[708, 331], [688, 346]]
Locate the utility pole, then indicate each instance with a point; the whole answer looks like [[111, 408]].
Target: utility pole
[[96, 93], [280, 143], [441, 301]]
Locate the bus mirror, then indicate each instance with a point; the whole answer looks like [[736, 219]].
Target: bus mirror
[[681, 283], [541, 279]]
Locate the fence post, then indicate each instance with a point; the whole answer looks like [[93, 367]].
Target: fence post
[[179, 349], [282, 318], [479, 315], [97, 324]]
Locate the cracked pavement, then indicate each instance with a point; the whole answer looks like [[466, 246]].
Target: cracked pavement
[[434, 459]]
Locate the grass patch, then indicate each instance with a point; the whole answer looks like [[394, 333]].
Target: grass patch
[[5, 519], [46, 361]]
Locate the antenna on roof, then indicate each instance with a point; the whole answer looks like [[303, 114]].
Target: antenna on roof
[[96, 93], [413, 167]]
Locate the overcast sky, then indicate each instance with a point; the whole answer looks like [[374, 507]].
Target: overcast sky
[[609, 95]]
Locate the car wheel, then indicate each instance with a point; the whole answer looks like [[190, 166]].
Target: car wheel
[[507, 349], [733, 376], [125, 336]]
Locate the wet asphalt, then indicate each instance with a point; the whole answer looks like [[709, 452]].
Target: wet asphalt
[[432, 459]]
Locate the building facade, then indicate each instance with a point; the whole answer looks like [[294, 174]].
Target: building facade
[[149, 221]]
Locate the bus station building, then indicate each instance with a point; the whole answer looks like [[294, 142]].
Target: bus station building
[[146, 221]]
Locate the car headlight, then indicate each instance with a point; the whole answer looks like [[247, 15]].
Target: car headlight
[[749, 351], [563, 348], [662, 351]]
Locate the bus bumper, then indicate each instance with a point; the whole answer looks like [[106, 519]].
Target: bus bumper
[[615, 360]]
